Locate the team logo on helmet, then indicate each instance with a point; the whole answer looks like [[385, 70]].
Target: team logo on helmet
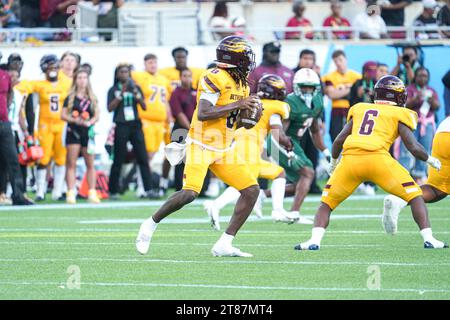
[[48, 60], [390, 89], [235, 52], [272, 87]]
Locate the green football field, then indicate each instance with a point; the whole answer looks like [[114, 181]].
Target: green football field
[[87, 252]]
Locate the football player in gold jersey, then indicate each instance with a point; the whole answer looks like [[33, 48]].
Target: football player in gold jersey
[[249, 145], [437, 186], [52, 93], [222, 93], [156, 118], [366, 138], [173, 74]]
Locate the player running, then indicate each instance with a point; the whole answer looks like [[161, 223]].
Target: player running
[[306, 106], [366, 138], [52, 93], [437, 186], [222, 93], [249, 146]]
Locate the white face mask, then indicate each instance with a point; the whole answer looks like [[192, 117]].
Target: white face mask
[[308, 99], [53, 74]]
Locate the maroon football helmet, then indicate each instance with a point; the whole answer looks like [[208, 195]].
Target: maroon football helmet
[[235, 52], [390, 88], [272, 87]]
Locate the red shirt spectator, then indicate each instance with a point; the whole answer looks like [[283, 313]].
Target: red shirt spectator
[[336, 20], [5, 92], [298, 21], [184, 101]]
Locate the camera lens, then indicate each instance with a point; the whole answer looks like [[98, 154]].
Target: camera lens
[[405, 58]]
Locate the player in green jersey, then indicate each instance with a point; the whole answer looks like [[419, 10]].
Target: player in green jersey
[[306, 106]]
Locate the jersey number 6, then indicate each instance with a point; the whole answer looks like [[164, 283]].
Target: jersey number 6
[[368, 122]]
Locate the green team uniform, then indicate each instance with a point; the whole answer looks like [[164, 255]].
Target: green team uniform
[[301, 118]]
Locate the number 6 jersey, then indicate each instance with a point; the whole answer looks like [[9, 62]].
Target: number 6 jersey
[[217, 86], [375, 127]]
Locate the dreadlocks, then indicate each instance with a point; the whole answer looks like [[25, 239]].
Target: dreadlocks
[[239, 76]]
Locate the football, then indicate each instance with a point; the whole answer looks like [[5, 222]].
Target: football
[[249, 118]]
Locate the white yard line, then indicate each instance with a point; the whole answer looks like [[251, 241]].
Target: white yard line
[[220, 286], [153, 203], [226, 261], [201, 244], [207, 230]]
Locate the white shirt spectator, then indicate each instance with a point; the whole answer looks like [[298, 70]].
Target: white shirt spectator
[[372, 26]]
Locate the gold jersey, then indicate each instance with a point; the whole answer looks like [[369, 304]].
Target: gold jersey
[[173, 75], [375, 127], [156, 90], [260, 131], [218, 84], [51, 96]]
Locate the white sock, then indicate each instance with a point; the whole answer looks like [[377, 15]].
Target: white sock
[[427, 235], [278, 188], [58, 181], [163, 183], [9, 190], [228, 196], [151, 224], [213, 188], [262, 194], [140, 183], [317, 235], [41, 182], [226, 239]]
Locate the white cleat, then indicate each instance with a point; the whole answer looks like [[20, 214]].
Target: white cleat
[[257, 209], [285, 216], [213, 213], [303, 220], [220, 250], [391, 210], [143, 239], [435, 244], [307, 246]]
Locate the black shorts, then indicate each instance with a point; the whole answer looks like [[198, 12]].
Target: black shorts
[[74, 136]]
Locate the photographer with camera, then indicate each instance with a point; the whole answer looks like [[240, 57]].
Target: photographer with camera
[[424, 100], [407, 63], [362, 90], [123, 98]]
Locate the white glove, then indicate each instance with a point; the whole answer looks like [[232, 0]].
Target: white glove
[[327, 154], [434, 162], [333, 164]]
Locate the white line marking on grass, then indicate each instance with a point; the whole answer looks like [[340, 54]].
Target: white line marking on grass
[[206, 230], [221, 286], [226, 261], [222, 219], [153, 203], [131, 243]]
